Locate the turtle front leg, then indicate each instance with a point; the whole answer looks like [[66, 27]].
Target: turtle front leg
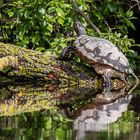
[[67, 53]]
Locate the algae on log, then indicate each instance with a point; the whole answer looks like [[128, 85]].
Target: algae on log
[[20, 62]]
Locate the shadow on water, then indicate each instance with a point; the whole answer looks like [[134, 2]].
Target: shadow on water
[[54, 112]]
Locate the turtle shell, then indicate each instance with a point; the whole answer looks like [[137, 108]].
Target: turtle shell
[[97, 50]]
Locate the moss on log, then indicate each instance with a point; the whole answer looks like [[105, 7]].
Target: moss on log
[[25, 62], [20, 62]]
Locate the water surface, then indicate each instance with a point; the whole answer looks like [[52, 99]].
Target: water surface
[[37, 118]]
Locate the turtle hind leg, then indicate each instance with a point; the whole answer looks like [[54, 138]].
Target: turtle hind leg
[[137, 80], [106, 72], [106, 95], [67, 53]]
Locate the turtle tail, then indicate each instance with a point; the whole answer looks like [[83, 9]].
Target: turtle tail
[[134, 75]]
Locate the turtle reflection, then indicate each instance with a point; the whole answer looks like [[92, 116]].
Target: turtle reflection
[[118, 89], [97, 117]]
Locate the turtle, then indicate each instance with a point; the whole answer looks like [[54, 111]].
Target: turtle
[[106, 59]]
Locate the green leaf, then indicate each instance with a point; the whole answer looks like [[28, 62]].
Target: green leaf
[[129, 13], [121, 12], [63, 45], [129, 23], [98, 15], [26, 14], [61, 21], [35, 38], [51, 9], [112, 7], [60, 12], [10, 13], [40, 49], [69, 39], [50, 27], [42, 11]]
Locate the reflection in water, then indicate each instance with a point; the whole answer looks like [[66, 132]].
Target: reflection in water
[[99, 117], [35, 126], [44, 112]]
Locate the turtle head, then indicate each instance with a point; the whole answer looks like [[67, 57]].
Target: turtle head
[[79, 28]]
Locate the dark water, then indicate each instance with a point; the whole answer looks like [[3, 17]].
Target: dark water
[[119, 120]]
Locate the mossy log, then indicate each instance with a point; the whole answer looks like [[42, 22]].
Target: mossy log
[[29, 64]]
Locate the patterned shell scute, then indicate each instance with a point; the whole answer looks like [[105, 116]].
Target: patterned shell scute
[[98, 50]]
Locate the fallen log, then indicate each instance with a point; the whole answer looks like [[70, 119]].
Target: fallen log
[[29, 64]]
